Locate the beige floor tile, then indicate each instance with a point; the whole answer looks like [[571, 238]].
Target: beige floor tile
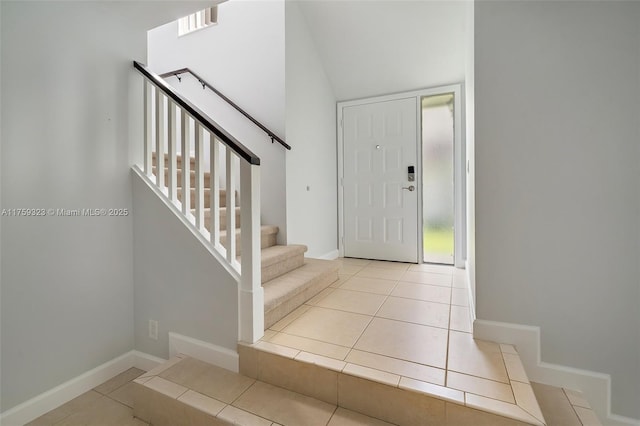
[[237, 416], [526, 399], [480, 386], [310, 345], [460, 296], [202, 402], [164, 366], [268, 334], [433, 269], [369, 285], [398, 366], [352, 301], [354, 261], [124, 394], [500, 408], [321, 361], [515, 369], [576, 398], [587, 416], [457, 415], [388, 403], [460, 319], [372, 374], [441, 392], [341, 280], [119, 380], [289, 318], [349, 269], [459, 282], [344, 417], [508, 349], [66, 409], [476, 357], [284, 407], [555, 405], [102, 412], [415, 311], [383, 273], [329, 325], [318, 297], [398, 266], [277, 349], [427, 278], [410, 342], [207, 379], [426, 292], [165, 387], [297, 376]]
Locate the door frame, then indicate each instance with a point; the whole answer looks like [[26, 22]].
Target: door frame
[[458, 171]]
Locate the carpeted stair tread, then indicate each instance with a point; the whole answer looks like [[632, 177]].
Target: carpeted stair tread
[[297, 281], [275, 254]]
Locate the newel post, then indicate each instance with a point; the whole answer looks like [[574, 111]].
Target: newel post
[[251, 297]]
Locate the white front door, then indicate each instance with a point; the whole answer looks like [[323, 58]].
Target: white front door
[[380, 204]]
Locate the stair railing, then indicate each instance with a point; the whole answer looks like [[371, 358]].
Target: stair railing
[[171, 121], [176, 73]]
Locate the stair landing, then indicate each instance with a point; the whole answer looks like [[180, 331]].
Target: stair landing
[[395, 332]]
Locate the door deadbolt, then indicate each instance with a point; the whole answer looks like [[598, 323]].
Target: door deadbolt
[[409, 188]]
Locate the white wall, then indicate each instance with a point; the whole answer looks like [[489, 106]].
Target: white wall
[[243, 57], [557, 102], [67, 282], [371, 48], [311, 131], [177, 281]]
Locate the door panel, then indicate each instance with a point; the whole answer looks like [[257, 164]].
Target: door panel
[[380, 217]]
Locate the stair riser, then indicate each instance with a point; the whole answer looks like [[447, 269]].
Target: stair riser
[[207, 197], [223, 219], [192, 163], [319, 283], [278, 269], [206, 180], [266, 240]]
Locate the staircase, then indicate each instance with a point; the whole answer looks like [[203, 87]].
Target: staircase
[[288, 278]]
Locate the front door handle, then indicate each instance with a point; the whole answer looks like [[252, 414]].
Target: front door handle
[[410, 188]]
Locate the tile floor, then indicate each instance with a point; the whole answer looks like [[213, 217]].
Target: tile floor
[[410, 326], [111, 403]]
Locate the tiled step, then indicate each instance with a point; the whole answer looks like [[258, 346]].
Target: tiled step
[[390, 397], [223, 217], [207, 197], [187, 392], [564, 407], [268, 235], [285, 293], [279, 260]]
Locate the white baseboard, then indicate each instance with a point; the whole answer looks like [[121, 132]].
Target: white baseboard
[[204, 351], [333, 254], [146, 362], [596, 387], [53, 398]]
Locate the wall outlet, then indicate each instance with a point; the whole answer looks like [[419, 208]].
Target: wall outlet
[[153, 329]]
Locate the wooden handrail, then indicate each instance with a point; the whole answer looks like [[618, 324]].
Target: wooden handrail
[[224, 137], [204, 83]]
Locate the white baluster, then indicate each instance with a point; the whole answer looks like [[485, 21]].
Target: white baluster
[[251, 292], [186, 162], [148, 122], [199, 183], [231, 206], [159, 139], [171, 132], [214, 188]]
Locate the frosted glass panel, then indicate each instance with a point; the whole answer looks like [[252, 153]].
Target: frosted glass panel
[[437, 176]]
